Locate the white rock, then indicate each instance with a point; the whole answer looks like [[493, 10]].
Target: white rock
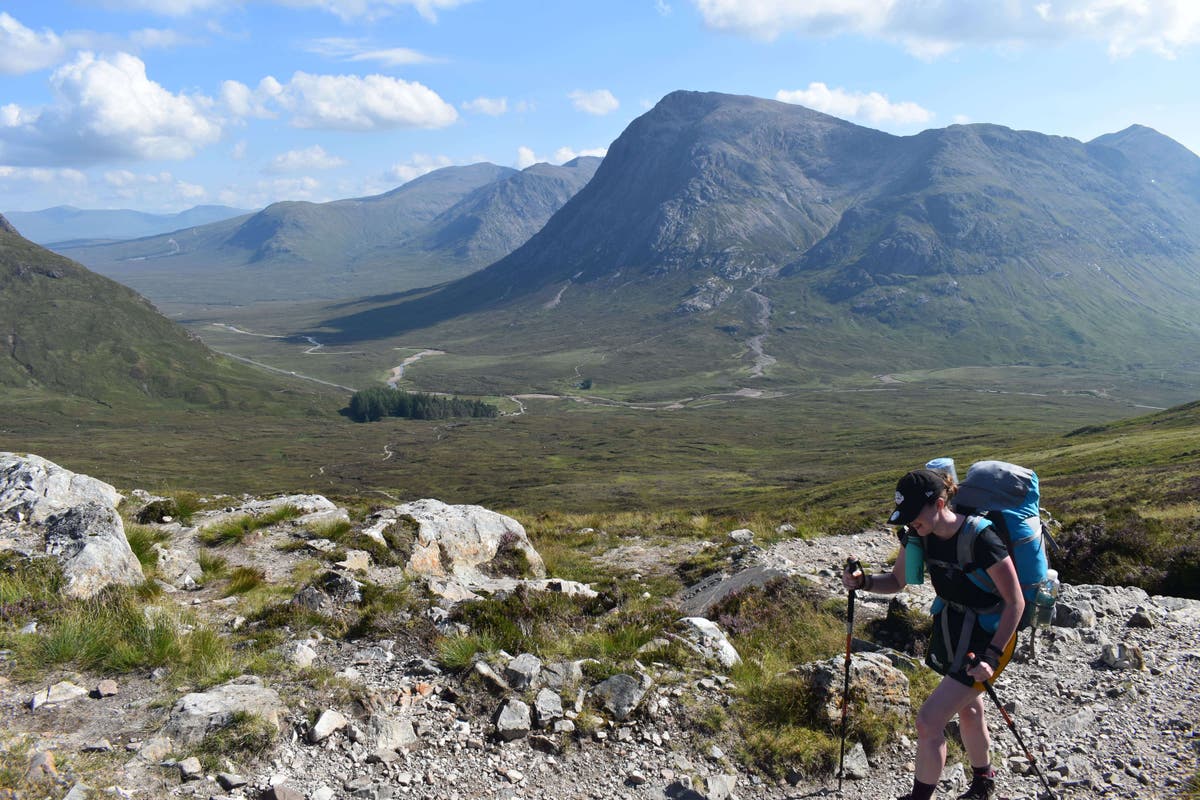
[[32, 489]]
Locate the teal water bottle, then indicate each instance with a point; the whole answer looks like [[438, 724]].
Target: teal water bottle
[[914, 560]]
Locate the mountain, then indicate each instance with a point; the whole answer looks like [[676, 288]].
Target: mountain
[[972, 244], [437, 227], [66, 223], [66, 330]]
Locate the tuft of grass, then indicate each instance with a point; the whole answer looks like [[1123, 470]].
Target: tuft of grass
[[142, 539], [235, 530], [460, 652], [212, 567], [117, 632], [333, 530], [243, 580], [246, 737], [27, 586]]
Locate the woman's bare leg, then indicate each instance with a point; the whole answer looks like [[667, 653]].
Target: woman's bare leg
[[975, 733], [947, 699]]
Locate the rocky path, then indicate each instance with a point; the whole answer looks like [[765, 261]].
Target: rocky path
[[1109, 703]]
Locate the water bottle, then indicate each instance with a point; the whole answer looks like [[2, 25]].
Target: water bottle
[[1047, 594], [944, 465]]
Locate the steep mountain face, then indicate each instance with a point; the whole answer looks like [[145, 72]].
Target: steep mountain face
[[440, 226], [991, 245], [494, 219], [67, 330], [66, 223]]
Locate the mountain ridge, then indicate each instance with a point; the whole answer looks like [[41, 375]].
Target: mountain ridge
[[60, 224], [407, 237], [1070, 249]]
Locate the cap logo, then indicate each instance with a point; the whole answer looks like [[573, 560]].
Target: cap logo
[[899, 498]]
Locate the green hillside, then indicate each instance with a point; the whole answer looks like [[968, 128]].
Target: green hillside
[[67, 331]]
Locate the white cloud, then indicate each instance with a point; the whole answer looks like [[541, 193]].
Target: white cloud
[[241, 101], [151, 189], [23, 50], [598, 102], [374, 102], [526, 157], [170, 8], [415, 167], [313, 157], [871, 106], [662, 7], [40, 175], [930, 28], [157, 38], [108, 108], [238, 151], [348, 10], [492, 106], [356, 50]]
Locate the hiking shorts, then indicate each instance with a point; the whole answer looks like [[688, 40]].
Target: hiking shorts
[[948, 648]]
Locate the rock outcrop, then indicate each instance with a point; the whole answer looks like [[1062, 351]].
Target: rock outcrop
[[45, 508]]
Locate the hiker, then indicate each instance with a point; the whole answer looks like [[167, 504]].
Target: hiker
[[966, 619]]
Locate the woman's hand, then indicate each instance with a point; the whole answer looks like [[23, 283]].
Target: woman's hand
[[982, 669], [855, 579]]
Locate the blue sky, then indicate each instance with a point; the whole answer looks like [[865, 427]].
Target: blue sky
[[160, 105]]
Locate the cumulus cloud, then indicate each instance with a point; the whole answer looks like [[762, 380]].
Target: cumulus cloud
[[526, 157], [929, 28], [415, 167], [107, 108], [374, 102], [492, 106], [598, 102], [356, 50], [871, 106], [241, 101], [23, 50], [313, 157]]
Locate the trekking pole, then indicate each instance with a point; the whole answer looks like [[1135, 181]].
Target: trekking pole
[[1012, 726], [852, 566]]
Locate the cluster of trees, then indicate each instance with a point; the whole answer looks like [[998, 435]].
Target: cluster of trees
[[377, 402]]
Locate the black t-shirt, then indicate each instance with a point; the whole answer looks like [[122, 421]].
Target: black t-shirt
[[952, 584]]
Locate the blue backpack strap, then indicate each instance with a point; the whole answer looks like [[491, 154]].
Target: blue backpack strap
[[967, 537]]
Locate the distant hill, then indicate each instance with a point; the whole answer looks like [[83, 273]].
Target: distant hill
[[438, 227], [66, 330], [840, 246], [69, 224]]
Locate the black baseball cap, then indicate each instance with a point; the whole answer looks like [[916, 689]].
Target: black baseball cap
[[915, 490]]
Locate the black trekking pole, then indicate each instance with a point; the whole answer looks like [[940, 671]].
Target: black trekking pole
[[852, 566], [1012, 726]]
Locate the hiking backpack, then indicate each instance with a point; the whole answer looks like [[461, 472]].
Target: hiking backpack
[[1007, 496]]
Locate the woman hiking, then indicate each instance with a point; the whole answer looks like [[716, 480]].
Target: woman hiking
[[970, 615]]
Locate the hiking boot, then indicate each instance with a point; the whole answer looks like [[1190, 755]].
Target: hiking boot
[[981, 788]]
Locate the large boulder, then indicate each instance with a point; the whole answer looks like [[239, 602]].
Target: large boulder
[[89, 542], [33, 489], [466, 542], [873, 682], [198, 714]]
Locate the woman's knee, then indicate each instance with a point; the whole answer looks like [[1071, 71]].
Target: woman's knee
[[931, 727], [971, 716]]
